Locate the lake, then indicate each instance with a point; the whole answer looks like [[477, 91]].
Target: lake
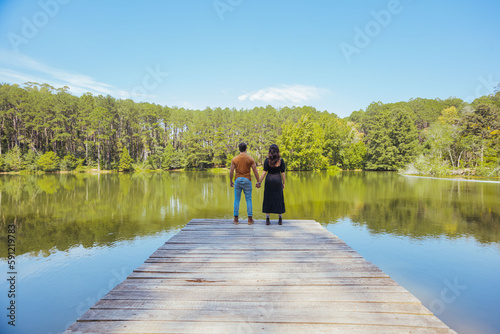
[[79, 235]]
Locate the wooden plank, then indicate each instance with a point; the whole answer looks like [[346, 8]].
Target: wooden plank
[[255, 276], [270, 282], [307, 267], [395, 308], [230, 260], [249, 247], [258, 253], [241, 326], [221, 295], [363, 281], [132, 285], [254, 240], [274, 316], [217, 277]]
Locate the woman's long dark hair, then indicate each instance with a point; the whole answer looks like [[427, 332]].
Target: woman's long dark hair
[[274, 155]]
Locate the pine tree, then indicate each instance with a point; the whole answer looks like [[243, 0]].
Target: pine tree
[[125, 161], [392, 140]]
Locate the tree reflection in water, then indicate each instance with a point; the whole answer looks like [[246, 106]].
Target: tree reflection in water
[[63, 210]]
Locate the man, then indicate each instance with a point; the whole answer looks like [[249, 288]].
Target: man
[[243, 163]]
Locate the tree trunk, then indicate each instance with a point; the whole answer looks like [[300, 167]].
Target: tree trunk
[[98, 157], [458, 161]]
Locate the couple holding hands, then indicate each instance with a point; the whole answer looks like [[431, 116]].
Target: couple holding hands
[[274, 169]]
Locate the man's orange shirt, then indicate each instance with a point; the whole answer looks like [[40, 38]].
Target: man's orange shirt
[[243, 163]]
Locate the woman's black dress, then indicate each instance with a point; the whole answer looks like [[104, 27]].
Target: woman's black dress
[[274, 201]]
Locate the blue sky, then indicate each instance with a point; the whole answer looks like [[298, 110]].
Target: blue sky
[[335, 55]]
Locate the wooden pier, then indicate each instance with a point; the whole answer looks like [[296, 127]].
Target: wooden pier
[[217, 277]]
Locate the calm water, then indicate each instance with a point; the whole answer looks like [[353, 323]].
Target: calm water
[[80, 235]]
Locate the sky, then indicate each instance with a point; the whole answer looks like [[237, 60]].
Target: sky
[[334, 55]]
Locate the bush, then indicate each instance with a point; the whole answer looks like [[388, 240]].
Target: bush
[[12, 160], [428, 165], [69, 162], [29, 161], [141, 166], [173, 159], [48, 162], [488, 171]]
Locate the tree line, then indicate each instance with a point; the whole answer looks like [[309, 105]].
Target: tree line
[[43, 128], [432, 136], [48, 129]]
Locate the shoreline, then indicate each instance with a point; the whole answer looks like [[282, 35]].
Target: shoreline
[[455, 178]]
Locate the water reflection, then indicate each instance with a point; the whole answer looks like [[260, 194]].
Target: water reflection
[[63, 210]]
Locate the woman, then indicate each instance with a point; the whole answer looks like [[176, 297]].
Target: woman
[[274, 168]]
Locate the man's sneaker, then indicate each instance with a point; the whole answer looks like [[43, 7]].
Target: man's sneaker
[[250, 220], [235, 219]]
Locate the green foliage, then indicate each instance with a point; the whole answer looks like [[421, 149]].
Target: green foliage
[[155, 158], [172, 158], [48, 162], [301, 145], [167, 157], [429, 165], [30, 161], [12, 160], [94, 130], [392, 140], [69, 162], [343, 146], [125, 161], [353, 157]]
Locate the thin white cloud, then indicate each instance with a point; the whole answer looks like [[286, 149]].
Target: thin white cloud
[[285, 94], [30, 70]]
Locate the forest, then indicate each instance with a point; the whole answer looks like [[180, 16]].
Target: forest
[[44, 129]]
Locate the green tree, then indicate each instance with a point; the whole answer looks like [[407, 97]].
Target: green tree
[[392, 140], [48, 162], [125, 161], [301, 145], [404, 136], [13, 159], [69, 162], [478, 127], [353, 157], [29, 161]]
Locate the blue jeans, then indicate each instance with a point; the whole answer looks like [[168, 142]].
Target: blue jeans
[[242, 183]]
